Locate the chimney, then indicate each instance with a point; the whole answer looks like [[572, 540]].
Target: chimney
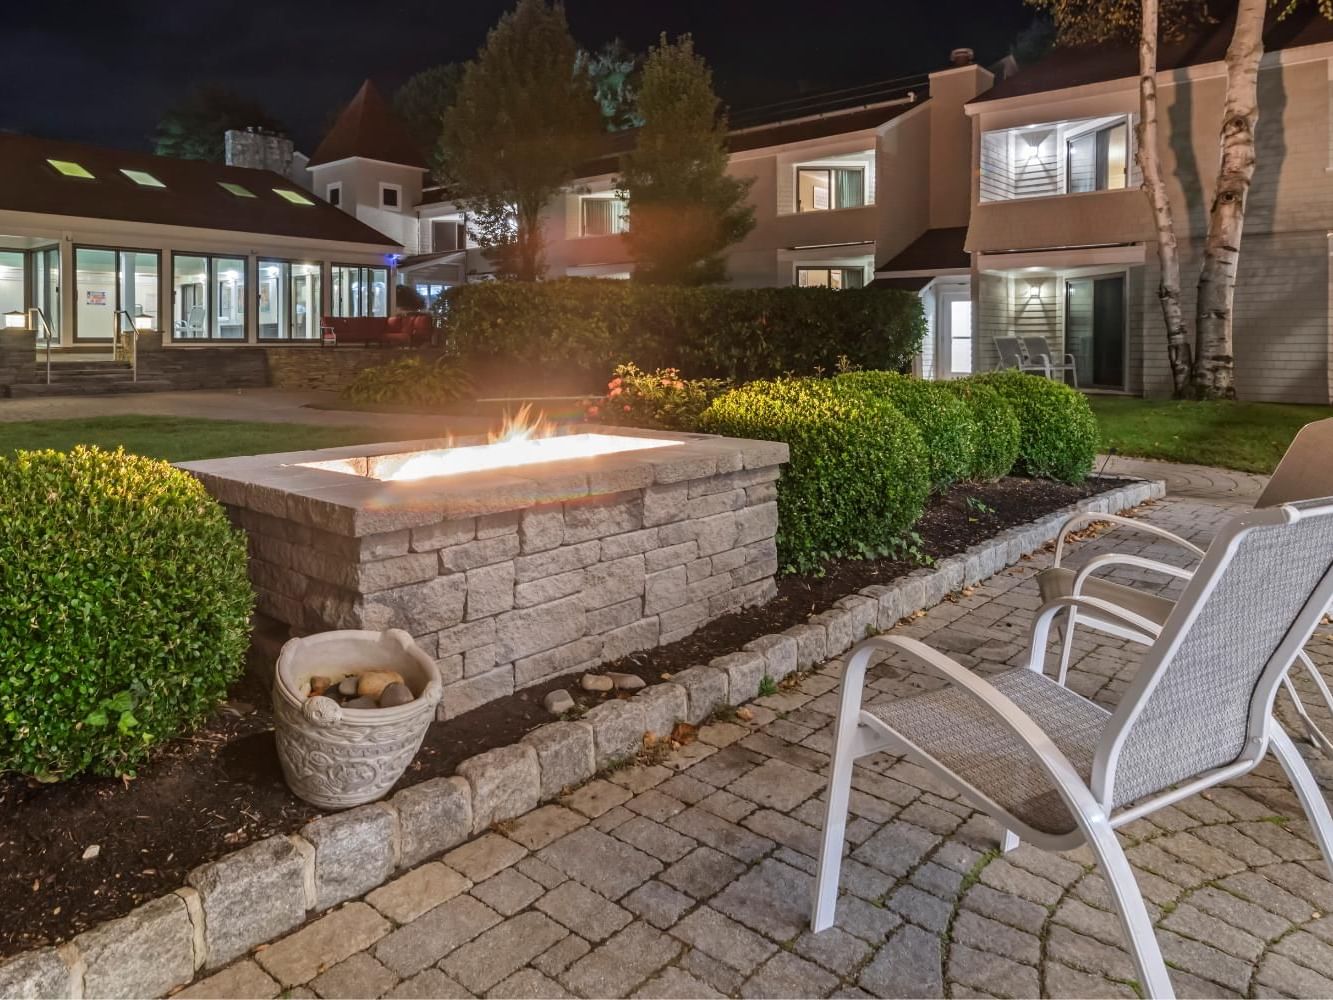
[[961, 57], [259, 149]]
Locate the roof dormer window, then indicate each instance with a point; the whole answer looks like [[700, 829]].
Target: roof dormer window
[[295, 197], [143, 178], [68, 168]]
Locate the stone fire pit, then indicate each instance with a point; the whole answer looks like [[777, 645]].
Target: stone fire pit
[[603, 541]]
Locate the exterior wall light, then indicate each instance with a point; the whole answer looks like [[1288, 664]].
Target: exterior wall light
[[143, 321], [15, 320]]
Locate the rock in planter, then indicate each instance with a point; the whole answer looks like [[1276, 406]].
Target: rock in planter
[[626, 682], [596, 682], [558, 702], [337, 756]]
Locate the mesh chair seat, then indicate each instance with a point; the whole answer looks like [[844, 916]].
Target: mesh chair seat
[[1058, 581], [950, 726]]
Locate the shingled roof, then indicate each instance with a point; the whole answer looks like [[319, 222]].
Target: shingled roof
[[1077, 66], [368, 128], [191, 193]]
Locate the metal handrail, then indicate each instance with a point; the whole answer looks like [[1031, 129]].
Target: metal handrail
[[35, 315], [134, 342]]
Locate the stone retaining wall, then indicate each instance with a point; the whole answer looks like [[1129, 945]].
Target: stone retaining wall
[[262, 891], [222, 367], [305, 367], [18, 349], [654, 545]]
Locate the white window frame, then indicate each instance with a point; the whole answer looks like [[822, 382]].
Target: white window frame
[[583, 234], [829, 167], [398, 191], [805, 265], [329, 190]]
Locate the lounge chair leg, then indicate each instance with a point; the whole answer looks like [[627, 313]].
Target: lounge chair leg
[[1066, 645], [1307, 790], [1008, 841], [839, 792], [1134, 919], [1312, 730]]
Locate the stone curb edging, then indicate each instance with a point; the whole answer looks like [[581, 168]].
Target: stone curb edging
[[268, 888]]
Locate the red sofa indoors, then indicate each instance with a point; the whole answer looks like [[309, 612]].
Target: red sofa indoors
[[403, 330]]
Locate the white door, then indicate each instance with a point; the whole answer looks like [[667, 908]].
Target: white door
[[954, 322]]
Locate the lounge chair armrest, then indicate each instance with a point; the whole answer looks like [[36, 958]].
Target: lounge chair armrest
[[1041, 627], [1088, 517], [1098, 563], [1019, 723]]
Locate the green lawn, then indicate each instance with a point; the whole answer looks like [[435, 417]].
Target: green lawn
[[1246, 436], [178, 439]]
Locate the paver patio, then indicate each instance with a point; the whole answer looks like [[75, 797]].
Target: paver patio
[[693, 878]]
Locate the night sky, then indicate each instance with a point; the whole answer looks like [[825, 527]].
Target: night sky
[[103, 72]]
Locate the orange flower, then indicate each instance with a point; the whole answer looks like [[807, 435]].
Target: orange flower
[[592, 411], [628, 407], [613, 383], [615, 392]]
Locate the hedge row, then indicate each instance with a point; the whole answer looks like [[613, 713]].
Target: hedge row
[[580, 328], [868, 447]]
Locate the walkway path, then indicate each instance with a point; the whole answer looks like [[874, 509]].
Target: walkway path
[[264, 405], [1199, 482], [692, 878]]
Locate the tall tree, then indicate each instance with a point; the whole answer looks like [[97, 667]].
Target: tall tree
[[614, 71], [1210, 370], [421, 102], [684, 208], [193, 128], [522, 122]]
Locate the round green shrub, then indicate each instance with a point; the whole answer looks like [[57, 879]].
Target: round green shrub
[[998, 432], [944, 420], [1058, 436], [124, 609], [857, 475], [410, 380]]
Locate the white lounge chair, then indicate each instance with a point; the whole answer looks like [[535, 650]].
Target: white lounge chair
[[1305, 472], [1057, 770], [1041, 356], [1010, 350]]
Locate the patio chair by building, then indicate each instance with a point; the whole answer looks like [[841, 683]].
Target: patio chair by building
[[1040, 356], [1304, 473], [1057, 770], [1010, 350]]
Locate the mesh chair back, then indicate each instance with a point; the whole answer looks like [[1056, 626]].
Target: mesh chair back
[[1192, 708], [1011, 352], [1038, 345], [1306, 469]]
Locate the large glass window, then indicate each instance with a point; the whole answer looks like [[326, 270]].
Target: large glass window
[[109, 281], [208, 296], [12, 281], [360, 291], [604, 216], [1098, 160], [819, 189], [830, 277], [289, 300]]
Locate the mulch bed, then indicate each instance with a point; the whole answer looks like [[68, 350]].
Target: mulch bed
[[221, 788]]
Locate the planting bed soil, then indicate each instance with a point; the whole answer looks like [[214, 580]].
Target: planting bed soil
[[75, 854]]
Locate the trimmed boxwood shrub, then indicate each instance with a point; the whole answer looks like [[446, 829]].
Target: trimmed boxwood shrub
[[1058, 436], [577, 328], [997, 430], [944, 420], [412, 379], [124, 609], [857, 475]]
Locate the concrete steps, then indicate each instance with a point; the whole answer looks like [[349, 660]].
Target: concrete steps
[[85, 378]]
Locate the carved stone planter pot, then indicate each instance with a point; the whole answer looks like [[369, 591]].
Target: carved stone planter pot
[[336, 757]]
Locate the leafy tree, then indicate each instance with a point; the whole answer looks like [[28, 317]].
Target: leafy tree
[[685, 209], [193, 128], [421, 102], [1209, 369], [522, 122], [614, 71]]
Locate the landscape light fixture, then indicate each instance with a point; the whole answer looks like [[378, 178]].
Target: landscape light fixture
[[15, 320]]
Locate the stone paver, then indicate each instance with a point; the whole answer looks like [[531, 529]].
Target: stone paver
[[693, 878]]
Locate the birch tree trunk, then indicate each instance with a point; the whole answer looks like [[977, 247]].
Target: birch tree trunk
[[1214, 372], [1150, 166]]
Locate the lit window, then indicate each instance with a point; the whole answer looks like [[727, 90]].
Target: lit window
[[819, 189], [236, 189], [604, 216], [143, 178], [830, 277], [71, 169], [295, 197]]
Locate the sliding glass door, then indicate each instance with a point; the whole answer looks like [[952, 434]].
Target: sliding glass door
[[1095, 330]]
